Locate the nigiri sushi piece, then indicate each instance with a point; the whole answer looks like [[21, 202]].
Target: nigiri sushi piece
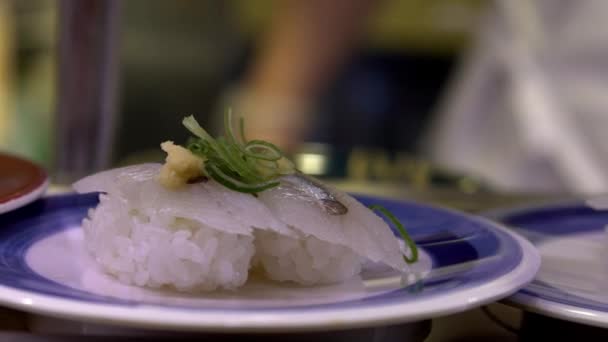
[[219, 207], [335, 231], [337, 234], [199, 237]]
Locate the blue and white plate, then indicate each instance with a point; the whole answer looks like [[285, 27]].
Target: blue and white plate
[[465, 262], [572, 283]]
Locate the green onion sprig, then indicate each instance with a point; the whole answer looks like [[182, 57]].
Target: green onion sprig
[[406, 237], [241, 165]]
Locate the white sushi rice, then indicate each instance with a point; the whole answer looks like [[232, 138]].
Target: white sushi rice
[[305, 260], [150, 248]]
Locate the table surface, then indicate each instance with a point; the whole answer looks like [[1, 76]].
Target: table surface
[[472, 325]]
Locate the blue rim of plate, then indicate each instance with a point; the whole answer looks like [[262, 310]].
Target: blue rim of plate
[[560, 219], [502, 262]]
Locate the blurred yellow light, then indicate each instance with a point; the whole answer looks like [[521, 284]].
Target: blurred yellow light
[[311, 163]]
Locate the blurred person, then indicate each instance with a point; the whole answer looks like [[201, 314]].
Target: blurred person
[[307, 43], [525, 110]]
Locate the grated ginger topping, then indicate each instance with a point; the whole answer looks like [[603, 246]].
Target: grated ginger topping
[[180, 166]]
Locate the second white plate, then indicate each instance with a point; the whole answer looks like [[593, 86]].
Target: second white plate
[[572, 283]]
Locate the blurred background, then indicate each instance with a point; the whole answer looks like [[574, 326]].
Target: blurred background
[[472, 95]]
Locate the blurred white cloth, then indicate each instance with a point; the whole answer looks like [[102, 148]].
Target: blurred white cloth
[[528, 108]]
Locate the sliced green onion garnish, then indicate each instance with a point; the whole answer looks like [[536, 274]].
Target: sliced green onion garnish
[[285, 167], [267, 164], [196, 147], [241, 165], [242, 128], [406, 237], [236, 185], [237, 164], [196, 129], [263, 150], [266, 167], [229, 132]]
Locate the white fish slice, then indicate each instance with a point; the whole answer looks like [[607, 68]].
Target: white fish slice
[[359, 229], [206, 202], [106, 181]]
